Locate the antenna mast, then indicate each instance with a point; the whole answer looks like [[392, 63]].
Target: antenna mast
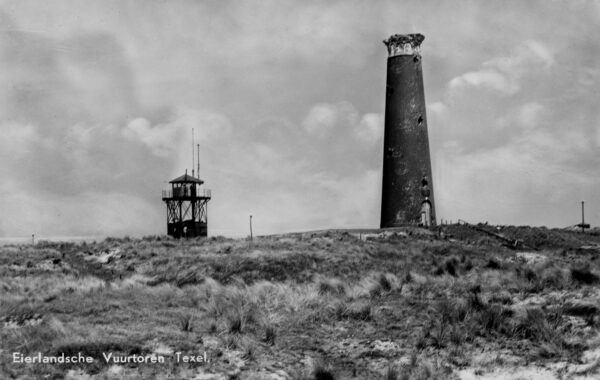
[[198, 156], [193, 152]]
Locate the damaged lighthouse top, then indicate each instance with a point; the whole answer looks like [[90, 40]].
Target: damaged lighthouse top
[[404, 44]]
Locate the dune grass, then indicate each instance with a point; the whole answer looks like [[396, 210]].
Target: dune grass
[[301, 303]]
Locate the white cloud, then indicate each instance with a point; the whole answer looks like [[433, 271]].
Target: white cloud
[[162, 139], [90, 107], [437, 108], [324, 118], [526, 55], [515, 145], [17, 140], [209, 126], [530, 115], [370, 128], [504, 74], [487, 78], [96, 179], [542, 53], [321, 119]]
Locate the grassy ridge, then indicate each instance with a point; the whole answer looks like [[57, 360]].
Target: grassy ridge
[[410, 304]]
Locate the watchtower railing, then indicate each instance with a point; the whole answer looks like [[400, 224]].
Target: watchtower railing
[[186, 193]]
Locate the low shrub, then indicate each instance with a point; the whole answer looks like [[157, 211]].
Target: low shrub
[[331, 286], [493, 264], [584, 276], [581, 309], [538, 326], [450, 266], [493, 319]]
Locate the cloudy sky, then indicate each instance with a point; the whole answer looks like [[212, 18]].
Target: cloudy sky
[[98, 99]]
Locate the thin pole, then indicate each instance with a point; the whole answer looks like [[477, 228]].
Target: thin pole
[[582, 217], [198, 156], [193, 158], [250, 227]]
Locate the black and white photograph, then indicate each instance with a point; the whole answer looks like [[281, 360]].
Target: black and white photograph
[[300, 190]]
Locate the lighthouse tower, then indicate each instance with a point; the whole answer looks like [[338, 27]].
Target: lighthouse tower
[[407, 191]]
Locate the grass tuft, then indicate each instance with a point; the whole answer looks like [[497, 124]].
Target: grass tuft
[[331, 286], [584, 276], [320, 371], [493, 264], [385, 283], [392, 373], [186, 322], [270, 335], [539, 326], [494, 318]]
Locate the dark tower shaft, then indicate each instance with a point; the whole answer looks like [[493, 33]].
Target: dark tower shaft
[[407, 191]]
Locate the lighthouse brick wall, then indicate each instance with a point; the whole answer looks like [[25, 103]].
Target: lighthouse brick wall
[[407, 179]]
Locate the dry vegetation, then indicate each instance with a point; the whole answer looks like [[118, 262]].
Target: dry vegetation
[[406, 304]]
